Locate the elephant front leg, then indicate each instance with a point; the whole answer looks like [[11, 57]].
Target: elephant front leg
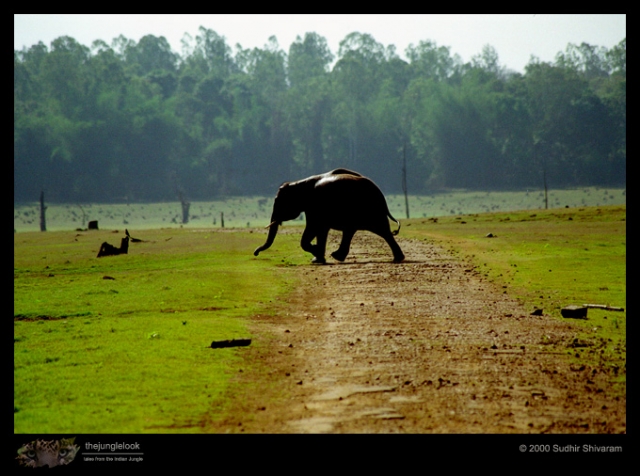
[[316, 250], [321, 246], [341, 253]]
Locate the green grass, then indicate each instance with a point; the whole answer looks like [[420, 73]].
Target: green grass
[[129, 354], [549, 259], [459, 202]]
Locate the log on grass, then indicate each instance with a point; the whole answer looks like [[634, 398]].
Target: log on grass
[[107, 249], [574, 312], [218, 344]]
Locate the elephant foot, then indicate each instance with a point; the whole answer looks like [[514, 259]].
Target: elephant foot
[[339, 256], [398, 259], [317, 260]]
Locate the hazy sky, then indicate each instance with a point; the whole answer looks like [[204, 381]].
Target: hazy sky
[[515, 37]]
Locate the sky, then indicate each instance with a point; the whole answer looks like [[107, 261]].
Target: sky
[[515, 37]]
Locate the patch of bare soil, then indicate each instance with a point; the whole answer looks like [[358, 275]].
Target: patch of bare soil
[[425, 346]]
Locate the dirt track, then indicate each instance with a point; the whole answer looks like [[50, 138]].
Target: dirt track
[[426, 346]]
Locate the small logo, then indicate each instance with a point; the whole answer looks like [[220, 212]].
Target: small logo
[[50, 453]]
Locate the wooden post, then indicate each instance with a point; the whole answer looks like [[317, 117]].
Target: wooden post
[[222, 219], [539, 153], [185, 209], [84, 215], [43, 220], [404, 177], [544, 179], [183, 200]]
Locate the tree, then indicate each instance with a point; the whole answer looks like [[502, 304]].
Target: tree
[[434, 62], [571, 126], [308, 58], [355, 80], [591, 61], [215, 52], [307, 102], [488, 61], [617, 58], [150, 54], [121, 120], [263, 156]]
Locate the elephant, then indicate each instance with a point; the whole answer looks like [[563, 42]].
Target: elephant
[[342, 200]]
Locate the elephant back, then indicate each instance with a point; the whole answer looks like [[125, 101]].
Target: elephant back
[[354, 196]]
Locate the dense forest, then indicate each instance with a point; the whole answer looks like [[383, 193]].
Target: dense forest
[[140, 122]]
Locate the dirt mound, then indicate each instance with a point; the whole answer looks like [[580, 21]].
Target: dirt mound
[[426, 346]]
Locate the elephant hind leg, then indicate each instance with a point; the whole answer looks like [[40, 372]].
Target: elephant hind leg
[[398, 255], [341, 253], [399, 258]]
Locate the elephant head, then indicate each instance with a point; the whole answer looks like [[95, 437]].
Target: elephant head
[[288, 205]]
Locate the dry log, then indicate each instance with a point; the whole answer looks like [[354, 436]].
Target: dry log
[[574, 312], [218, 344], [109, 250]]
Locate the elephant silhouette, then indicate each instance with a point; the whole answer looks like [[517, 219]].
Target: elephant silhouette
[[341, 200]]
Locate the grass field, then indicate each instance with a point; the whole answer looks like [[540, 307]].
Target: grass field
[[243, 212], [549, 259], [120, 344]]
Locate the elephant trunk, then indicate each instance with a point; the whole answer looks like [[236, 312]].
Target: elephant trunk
[[273, 229]]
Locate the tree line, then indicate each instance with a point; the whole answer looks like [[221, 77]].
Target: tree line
[[138, 121]]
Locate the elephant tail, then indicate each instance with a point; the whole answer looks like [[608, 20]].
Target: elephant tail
[[394, 233]]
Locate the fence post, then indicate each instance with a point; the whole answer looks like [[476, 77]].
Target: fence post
[[43, 220]]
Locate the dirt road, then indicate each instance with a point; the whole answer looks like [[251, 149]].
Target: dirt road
[[426, 346]]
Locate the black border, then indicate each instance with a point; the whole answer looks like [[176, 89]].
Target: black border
[[238, 452]]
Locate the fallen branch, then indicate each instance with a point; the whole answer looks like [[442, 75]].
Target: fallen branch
[[133, 240], [604, 306]]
